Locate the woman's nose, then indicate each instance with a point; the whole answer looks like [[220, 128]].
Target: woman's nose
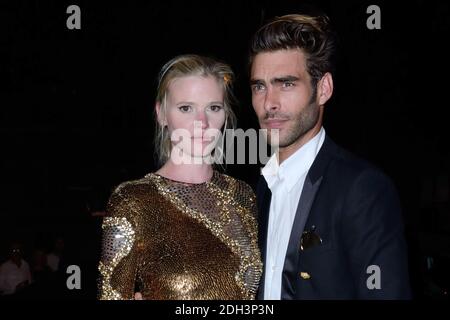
[[201, 120]]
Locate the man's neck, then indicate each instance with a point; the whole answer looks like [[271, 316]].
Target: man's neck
[[286, 152], [18, 263]]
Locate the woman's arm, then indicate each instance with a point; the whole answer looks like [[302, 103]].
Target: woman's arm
[[119, 261]]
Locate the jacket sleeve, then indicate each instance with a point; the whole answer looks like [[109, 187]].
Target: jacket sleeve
[[119, 259], [372, 229]]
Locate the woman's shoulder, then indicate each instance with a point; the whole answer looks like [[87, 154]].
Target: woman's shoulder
[[242, 194], [134, 188], [129, 196], [239, 186]]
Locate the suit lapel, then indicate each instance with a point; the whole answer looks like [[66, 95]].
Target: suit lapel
[[310, 188], [290, 263]]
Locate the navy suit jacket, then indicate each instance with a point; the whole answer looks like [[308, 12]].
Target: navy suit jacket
[[354, 208]]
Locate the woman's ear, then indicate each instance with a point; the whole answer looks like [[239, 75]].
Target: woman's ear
[[160, 114], [324, 89]]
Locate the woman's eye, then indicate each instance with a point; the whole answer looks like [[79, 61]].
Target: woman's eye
[[184, 108], [215, 108]]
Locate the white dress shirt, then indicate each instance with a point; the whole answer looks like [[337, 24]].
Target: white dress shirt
[[285, 181]]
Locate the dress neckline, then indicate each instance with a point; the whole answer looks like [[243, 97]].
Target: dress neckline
[[187, 184]]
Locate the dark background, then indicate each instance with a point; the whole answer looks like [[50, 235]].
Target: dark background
[[76, 110]]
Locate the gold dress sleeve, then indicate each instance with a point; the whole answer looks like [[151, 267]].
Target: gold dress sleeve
[[119, 259]]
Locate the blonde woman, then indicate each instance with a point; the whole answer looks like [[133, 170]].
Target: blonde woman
[[185, 231]]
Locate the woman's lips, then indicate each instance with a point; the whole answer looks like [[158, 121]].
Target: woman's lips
[[202, 140]]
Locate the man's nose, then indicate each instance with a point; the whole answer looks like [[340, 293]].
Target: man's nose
[[271, 100]]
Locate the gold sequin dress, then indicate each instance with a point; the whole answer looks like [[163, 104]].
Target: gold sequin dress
[[175, 240]]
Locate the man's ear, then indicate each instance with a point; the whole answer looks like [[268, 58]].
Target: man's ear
[[159, 114], [324, 89]]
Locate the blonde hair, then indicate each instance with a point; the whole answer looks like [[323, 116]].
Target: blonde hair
[[190, 65]]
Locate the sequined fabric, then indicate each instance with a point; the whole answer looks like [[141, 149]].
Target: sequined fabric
[[174, 240]]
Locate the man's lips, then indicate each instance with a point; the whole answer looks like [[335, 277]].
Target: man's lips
[[274, 123]]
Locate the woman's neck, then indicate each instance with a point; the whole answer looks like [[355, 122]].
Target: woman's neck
[[190, 173]]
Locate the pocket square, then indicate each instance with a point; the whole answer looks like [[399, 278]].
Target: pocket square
[[309, 239]]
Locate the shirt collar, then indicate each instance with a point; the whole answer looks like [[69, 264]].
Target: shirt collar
[[294, 167]]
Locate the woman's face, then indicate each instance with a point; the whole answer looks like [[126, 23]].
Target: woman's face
[[194, 115]]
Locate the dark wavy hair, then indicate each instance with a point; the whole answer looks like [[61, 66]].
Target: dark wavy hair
[[312, 34]]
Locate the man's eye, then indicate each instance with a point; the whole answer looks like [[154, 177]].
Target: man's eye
[[257, 87], [215, 108], [184, 108], [288, 84]]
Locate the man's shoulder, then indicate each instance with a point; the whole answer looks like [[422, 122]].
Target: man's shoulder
[[346, 160], [25, 264], [5, 265], [347, 166]]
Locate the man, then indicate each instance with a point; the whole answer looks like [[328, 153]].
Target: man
[[330, 223], [15, 272]]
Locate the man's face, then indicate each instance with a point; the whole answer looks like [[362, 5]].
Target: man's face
[[282, 95], [16, 252]]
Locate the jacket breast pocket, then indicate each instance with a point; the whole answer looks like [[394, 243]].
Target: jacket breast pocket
[[323, 247], [315, 263]]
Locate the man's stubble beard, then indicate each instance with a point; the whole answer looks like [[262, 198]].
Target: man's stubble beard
[[303, 123]]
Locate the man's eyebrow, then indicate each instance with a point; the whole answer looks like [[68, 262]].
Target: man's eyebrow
[[256, 81], [284, 79], [281, 79]]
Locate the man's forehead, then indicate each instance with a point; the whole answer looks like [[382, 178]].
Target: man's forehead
[[278, 63]]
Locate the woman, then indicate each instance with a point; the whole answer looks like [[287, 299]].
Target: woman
[[185, 231]]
